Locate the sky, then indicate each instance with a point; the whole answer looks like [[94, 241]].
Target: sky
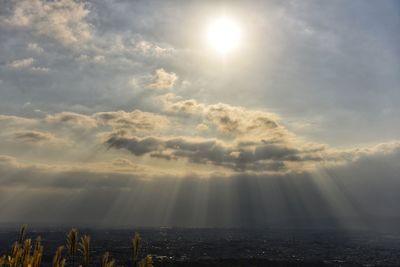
[[120, 113]]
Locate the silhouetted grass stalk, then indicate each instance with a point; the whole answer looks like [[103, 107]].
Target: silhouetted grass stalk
[[72, 244], [23, 254]]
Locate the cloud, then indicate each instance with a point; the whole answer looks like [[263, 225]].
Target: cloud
[[85, 68], [64, 20], [114, 174], [99, 59], [244, 141], [35, 48], [150, 49], [21, 63], [242, 122], [72, 119], [231, 120], [202, 127], [40, 69], [338, 197], [163, 80], [120, 121], [25, 64], [154, 154], [4, 159], [174, 104], [62, 177], [221, 137], [36, 137], [258, 156], [131, 122], [116, 44], [16, 120]]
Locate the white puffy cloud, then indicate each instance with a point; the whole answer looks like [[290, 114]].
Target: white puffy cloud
[[163, 80]]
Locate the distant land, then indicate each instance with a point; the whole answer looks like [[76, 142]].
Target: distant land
[[229, 247]]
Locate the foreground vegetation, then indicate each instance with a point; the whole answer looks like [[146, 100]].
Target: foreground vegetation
[[27, 253]]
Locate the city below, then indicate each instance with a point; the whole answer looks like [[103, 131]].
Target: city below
[[228, 247]]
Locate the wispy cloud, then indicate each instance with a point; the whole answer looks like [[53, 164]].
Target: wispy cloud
[[21, 63]]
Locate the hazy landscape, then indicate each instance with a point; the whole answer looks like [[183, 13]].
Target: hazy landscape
[[224, 247]]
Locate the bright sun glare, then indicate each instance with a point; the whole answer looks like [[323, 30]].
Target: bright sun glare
[[223, 35]]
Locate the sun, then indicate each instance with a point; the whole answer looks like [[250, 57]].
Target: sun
[[223, 35]]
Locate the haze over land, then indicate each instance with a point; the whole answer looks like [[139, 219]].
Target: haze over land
[[120, 113]]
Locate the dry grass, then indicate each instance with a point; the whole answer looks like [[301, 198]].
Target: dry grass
[[106, 261], [72, 244], [58, 261], [23, 254], [146, 262], [135, 248], [84, 248]]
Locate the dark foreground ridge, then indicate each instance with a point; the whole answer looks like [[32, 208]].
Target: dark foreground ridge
[[205, 247]]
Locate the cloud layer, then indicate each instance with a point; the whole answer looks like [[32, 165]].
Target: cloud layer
[[120, 104], [236, 141]]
